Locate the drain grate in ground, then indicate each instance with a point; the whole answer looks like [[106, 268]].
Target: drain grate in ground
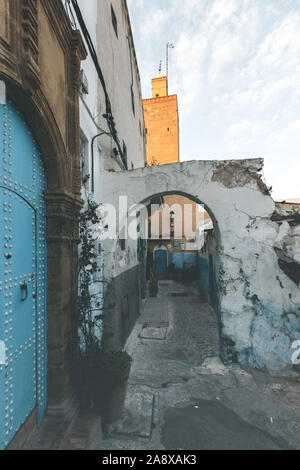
[[179, 294], [156, 324], [137, 417], [154, 330]]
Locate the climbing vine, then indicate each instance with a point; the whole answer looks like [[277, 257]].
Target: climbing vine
[[89, 303]]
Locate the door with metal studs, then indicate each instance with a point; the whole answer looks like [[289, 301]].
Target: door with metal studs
[[23, 291]]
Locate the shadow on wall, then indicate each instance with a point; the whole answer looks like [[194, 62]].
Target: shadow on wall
[[207, 279], [121, 308]]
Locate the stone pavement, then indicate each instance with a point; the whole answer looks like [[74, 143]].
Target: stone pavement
[[181, 396]]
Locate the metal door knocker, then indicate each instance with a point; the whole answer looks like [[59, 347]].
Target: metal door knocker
[[24, 287]]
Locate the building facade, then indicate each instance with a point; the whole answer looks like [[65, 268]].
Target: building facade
[[176, 236], [109, 28], [289, 205], [40, 199], [69, 113]]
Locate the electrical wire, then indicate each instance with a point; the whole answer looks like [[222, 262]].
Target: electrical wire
[[70, 14], [108, 115]]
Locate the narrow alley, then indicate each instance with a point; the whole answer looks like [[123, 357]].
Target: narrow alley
[[180, 396], [149, 225]]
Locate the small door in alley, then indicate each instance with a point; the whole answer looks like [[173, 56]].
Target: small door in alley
[[22, 277], [161, 261]]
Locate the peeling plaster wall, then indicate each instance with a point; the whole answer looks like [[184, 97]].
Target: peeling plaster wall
[[259, 304]]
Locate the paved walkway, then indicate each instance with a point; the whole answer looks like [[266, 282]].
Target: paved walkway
[[181, 396]]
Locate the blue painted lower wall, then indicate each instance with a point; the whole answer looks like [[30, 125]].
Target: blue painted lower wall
[[203, 269], [181, 258], [207, 280]]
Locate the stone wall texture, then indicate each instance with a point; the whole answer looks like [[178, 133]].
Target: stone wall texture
[[162, 129]]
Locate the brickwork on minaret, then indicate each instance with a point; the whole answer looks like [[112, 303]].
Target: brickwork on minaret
[[162, 124]]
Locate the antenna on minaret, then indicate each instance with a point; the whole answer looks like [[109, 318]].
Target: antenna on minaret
[[169, 46], [160, 67]]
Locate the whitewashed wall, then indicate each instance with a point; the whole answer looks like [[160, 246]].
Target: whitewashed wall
[[116, 57]]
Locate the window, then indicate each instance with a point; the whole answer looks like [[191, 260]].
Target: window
[[132, 101], [114, 21], [84, 154], [84, 84], [172, 223], [125, 153]]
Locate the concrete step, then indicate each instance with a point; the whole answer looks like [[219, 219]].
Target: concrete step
[[85, 434], [74, 432]]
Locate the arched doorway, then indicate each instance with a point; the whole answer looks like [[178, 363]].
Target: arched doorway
[[161, 261], [183, 241], [23, 276]]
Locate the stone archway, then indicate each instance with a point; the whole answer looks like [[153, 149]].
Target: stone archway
[[253, 308]]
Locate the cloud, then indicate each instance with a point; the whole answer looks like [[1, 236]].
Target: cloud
[[189, 74], [226, 49], [153, 24], [287, 141], [222, 11], [280, 147], [280, 48]]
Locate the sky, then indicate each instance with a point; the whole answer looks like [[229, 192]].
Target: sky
[[236, 70]]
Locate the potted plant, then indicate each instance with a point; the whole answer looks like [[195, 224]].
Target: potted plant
[[110, 392], [153, 283]]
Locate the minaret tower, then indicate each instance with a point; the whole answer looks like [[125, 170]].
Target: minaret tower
[[162, 123]]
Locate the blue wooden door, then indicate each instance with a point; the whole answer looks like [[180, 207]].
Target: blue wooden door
[[161, 261], [22, 276]]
